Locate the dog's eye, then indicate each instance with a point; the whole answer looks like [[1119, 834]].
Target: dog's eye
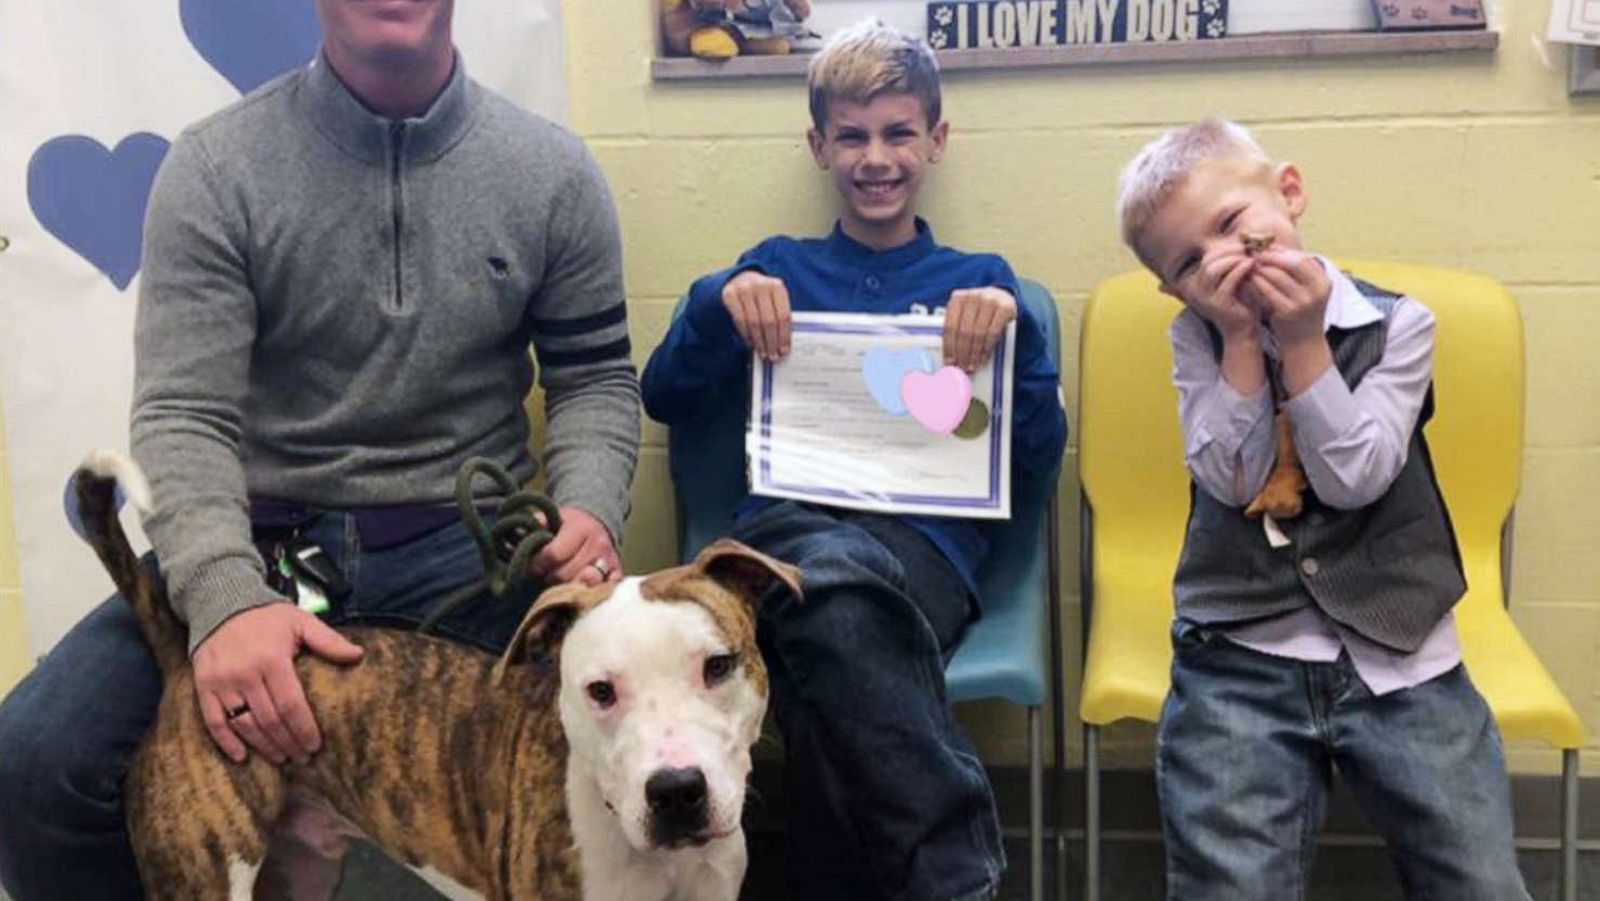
[[602, 693], [719, 667]]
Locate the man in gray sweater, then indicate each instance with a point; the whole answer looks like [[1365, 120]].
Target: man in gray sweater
[[343, 273]]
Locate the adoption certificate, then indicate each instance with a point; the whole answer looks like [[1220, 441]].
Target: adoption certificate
[[818, 433]]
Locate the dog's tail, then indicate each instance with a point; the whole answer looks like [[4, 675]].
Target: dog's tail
[[96, 483]]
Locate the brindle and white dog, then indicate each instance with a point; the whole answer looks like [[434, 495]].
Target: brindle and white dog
[[604, 756]]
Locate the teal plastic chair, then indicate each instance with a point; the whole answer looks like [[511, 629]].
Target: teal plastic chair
[[1011, 652]]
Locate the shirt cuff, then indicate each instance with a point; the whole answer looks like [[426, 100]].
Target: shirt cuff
[[1324, 411], [1230, 417], [217, 593], [705, 309]]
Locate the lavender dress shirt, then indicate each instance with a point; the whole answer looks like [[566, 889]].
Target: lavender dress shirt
[[1352, 444]]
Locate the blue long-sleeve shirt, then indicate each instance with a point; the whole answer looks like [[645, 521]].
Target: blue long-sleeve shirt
[[703, 356]]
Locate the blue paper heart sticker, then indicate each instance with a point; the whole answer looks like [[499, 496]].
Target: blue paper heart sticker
[[883, 369], [251, 42], [93, 199]]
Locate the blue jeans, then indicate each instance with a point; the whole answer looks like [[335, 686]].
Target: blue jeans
[[68, 730], [1244, 757], [886, 797]]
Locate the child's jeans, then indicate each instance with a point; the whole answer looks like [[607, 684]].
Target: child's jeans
[[886, 797], [1244, 757]]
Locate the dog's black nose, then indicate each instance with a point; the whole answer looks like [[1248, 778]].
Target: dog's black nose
[[676, 794], [677, 800]]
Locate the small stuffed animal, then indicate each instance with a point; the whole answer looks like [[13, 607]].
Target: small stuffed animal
[[723, 29], [1279, 498], [1254, 243]]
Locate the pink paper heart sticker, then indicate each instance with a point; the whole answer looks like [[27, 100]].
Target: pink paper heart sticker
[[939, 401]]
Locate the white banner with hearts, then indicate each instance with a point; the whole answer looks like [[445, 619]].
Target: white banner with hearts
[[91, 95]]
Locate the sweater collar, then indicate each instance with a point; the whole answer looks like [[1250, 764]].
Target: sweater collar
[[849, 249], [367, 136]]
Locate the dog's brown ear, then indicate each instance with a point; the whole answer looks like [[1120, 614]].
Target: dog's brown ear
[[543, 627], [745, 571]]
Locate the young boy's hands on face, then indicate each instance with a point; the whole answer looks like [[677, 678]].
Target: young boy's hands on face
[[1213, 292], [759, 305], [974, 319], [1291, 288]]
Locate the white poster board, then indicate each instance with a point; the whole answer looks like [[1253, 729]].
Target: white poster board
[[91, 95]]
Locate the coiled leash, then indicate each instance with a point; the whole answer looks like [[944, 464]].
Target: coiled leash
[[509, 546]]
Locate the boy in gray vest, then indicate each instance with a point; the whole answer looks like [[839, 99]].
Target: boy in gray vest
[[1326, 639]]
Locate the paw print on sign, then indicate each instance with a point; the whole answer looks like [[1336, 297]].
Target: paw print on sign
[[938, 39], [1210, 7], [1391, 9], [944, 15], [1419, 13], [1216, 29]]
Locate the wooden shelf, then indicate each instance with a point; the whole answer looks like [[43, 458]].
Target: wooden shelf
[[1288, 45]]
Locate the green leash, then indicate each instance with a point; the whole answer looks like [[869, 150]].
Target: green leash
[[507, 548]]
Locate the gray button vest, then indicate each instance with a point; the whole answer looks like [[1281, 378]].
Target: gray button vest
[[1388, 571]]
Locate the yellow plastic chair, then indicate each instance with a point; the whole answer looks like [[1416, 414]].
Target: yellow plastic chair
[[1136, 503]]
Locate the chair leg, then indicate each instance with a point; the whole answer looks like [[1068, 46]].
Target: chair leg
[[1061, 861], [1569, 825], [1035, 805], [1091, 818]]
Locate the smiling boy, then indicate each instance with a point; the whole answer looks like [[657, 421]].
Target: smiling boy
[[886, 797]]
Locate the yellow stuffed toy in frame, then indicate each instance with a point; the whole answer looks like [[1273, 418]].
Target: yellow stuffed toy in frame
[[723, 29]]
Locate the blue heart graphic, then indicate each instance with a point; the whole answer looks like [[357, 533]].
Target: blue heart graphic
[[884, 368], [250, 42], [93, 199]]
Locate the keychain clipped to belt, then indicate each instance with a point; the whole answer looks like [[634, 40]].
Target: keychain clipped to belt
[[300, 570], [524, 522]]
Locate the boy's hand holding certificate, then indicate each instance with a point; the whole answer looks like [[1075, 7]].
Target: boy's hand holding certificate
[[860, 414]]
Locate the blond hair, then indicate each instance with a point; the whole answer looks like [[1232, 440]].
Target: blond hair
[[867, 59], [1161, 166]]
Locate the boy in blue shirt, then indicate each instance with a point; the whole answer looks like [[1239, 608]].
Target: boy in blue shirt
[[1324, 640], [887, 797]]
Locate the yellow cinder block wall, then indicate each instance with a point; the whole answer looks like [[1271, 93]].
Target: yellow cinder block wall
[[14, 656], [1476, 161]]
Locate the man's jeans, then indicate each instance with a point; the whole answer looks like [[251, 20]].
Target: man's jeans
[[1245, 749], [68, 730], [886, 796]]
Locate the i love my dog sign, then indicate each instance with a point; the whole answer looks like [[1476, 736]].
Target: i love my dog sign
[[978, 24]]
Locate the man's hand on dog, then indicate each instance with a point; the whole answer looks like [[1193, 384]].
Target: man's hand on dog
[[580, 552], [974, 320], [249, 692], [759, 305]]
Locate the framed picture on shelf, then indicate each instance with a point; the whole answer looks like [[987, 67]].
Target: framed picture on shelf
[[1429, 15]]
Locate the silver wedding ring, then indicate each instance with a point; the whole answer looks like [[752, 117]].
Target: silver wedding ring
[[602, 567], [234, 713]]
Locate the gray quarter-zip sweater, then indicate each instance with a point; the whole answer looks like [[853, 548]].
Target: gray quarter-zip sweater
[[336, 310]]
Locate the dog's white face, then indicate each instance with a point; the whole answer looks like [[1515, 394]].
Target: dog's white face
[[663, 704], [662, 689]]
